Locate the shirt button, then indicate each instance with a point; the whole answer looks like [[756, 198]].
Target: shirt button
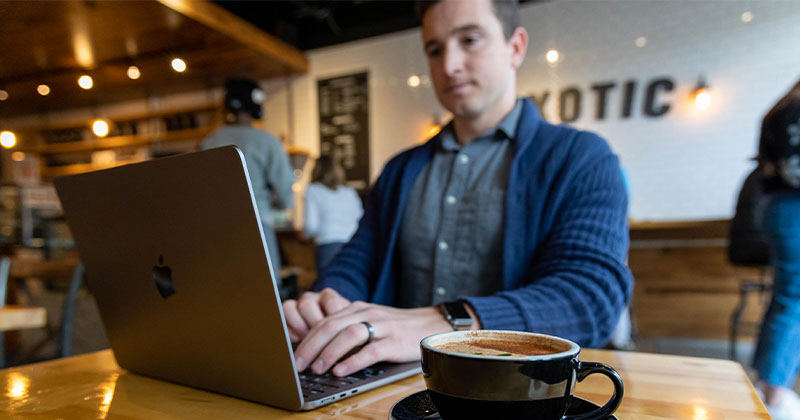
[[451, 199], [463, 158], [443, 245], [440, 291]]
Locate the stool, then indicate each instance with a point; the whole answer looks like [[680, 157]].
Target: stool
[[745, 287]]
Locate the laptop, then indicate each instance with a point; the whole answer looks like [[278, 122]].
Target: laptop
[[176, 259]]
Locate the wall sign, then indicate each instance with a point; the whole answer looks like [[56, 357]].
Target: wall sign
[[571, 99], [344, 125]]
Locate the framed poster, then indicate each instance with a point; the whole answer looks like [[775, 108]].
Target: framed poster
[[344, 125]]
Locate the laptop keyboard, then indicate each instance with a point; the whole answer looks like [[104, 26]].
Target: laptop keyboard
[[314, 385]]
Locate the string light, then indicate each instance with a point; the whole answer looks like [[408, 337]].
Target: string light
[[3, 95], [414, 80], [43, 89]]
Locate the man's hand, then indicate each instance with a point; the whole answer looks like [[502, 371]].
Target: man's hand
[[303, 314], [396, 339]]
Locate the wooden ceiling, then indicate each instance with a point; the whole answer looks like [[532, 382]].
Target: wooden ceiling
[[55, 42]]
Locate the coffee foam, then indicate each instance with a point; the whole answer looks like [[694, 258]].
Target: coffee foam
[[500, 343], [496, 348]]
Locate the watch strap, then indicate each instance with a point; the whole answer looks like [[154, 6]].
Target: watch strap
[[456, 314]]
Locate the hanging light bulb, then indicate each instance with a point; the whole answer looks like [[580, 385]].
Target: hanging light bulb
[[8, 139], [552, 56], [134, 73], [178, 65], [85, 82], [100, 128]]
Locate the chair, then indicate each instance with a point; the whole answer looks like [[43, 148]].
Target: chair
[[68, 311], [762, 286], [13, 317]]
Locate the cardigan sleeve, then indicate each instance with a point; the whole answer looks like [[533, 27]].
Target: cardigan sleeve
[[579, 281]]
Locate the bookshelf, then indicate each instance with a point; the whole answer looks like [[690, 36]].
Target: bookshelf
[[70, 147]]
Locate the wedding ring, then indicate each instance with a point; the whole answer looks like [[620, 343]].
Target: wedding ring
[[370, 330]]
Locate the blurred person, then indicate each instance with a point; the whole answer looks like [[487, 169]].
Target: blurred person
[[331, 211], [500, 221], [271, 175], [777, 357], [748, 245]]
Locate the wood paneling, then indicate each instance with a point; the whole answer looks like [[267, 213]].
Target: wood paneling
[[692, 229], [54, 42], [686, 289]]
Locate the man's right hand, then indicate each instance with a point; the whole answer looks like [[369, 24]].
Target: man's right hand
[[311, 308]]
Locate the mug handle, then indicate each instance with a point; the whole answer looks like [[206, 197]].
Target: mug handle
[[585, 369]]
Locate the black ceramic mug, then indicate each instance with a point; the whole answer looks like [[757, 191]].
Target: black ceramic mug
[[489, 374]]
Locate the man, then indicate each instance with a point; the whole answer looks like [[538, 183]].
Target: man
[[267, 162], [520, 223]]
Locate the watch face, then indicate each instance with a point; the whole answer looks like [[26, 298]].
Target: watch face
[[457, 315]]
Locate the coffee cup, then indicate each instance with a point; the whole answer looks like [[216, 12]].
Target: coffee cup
[[487, 374]]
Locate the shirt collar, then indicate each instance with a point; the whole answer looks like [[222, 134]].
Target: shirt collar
[[504, 130]]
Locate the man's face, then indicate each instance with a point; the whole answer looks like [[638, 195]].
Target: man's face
[[471, 63]]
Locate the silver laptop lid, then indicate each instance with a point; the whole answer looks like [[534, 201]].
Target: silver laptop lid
[[175, 256]]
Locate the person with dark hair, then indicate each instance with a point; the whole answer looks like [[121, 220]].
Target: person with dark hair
[[500, 221], [777, 357], [748, 244], [331, 211], [268, 164]]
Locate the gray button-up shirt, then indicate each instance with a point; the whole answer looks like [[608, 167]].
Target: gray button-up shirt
[[451, 237]]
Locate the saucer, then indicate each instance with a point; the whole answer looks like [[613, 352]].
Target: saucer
[[418, 406]]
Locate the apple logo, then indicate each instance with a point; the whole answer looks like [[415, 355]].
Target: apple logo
[[162, 276]]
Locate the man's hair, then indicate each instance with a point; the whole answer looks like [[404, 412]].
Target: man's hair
[[505, 10], [327, 172]]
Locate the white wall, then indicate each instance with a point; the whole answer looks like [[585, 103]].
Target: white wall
[[688, 164], [685, 165]]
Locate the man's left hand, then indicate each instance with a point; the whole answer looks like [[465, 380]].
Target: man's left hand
[[397, 333]]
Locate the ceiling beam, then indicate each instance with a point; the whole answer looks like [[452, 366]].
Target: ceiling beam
[[231, 25]]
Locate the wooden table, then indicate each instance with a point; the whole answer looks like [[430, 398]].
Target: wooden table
[[93, 387]]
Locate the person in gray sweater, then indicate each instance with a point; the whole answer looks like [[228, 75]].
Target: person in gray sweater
[[267, 162]]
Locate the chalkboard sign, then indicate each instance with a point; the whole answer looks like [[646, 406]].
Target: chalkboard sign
[[344, 125]]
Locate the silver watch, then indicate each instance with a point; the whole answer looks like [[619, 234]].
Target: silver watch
[[455, 313]]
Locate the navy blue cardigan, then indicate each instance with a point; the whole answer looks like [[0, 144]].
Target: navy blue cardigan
[[565, 245]]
